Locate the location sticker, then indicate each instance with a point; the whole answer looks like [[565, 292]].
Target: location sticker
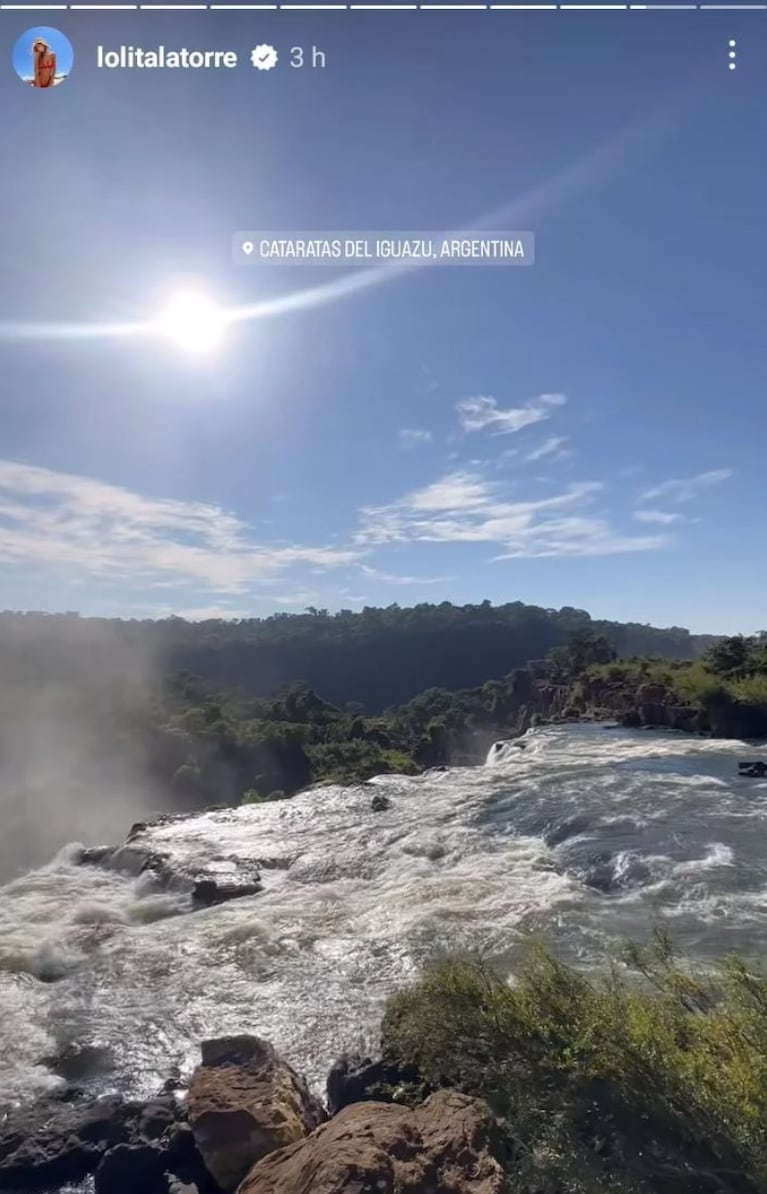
[[248, 247]]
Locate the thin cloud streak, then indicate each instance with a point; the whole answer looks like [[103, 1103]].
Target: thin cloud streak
[[390, 578], [551, 448], [661, 517], [685, 490]]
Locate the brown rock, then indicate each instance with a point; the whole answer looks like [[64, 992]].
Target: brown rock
[[245, 1102], [451, 1144], [653, 694]]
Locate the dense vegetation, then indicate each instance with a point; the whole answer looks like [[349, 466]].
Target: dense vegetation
[[97, 728], [228, 746], [91, 689], [723, 693], [655, 1087], [734, 669], [377, 657]]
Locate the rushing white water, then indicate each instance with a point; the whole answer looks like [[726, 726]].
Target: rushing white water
[[582, 837]]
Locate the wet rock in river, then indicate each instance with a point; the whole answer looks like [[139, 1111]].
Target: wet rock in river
[[206, 884], [210, 891], [61, 1140], [754, 770]]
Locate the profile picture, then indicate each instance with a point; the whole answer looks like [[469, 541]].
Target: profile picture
[[42, 57]]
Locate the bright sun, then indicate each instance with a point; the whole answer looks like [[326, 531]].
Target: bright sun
[[192, 322]]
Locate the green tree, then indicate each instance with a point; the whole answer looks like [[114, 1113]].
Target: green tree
[[729, 655]]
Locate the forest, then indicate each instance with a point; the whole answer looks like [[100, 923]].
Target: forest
[[375, 657]]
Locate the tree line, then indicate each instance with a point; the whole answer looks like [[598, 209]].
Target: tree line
[[376, 657]]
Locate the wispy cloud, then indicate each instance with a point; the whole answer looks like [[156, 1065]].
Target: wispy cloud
[[411, 437], [685, 490], [70, 525], [467, 508], [480, 412], [390, 578], [661, 517], [553, 447]]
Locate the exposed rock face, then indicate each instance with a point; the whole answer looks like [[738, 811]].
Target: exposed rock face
[[244, 1102], [56, 1142], [741, 720], [209, 891], [755, 770], [451, 1144], [357, 1079], [657, 705], [205, 886], [380, 803], [128, 1168]]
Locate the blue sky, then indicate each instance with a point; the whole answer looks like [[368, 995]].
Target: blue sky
[[589, 431]]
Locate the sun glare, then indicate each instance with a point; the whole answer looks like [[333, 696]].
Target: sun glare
[[193, 323]]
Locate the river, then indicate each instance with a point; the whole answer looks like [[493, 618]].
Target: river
[[581, 838]]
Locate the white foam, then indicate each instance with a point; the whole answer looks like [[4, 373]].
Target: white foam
[[354, 902], [717, 855]]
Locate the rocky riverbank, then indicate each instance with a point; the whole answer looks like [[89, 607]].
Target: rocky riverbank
[[551, 1085], [651, 706], [249, 1123]]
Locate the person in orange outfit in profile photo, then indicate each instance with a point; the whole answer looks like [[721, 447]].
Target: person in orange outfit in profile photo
[[45, 64]]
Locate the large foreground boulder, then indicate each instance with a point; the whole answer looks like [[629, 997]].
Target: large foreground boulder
[[245, 1101], [451, 1144]]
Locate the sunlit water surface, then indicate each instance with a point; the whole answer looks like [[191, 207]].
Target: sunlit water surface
[[582, 837]]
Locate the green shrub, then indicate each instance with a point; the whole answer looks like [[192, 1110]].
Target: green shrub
[[657, 1086], [698, 684], [398, 763], [751, 689]]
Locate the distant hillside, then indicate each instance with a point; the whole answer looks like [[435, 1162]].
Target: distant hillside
[[375, 658]]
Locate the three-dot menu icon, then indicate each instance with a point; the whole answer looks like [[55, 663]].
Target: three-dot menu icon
[[732, 53]]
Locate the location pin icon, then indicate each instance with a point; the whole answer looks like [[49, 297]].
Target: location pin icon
[[247, 247]]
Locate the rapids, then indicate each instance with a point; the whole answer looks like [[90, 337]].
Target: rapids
[[582, 837]]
